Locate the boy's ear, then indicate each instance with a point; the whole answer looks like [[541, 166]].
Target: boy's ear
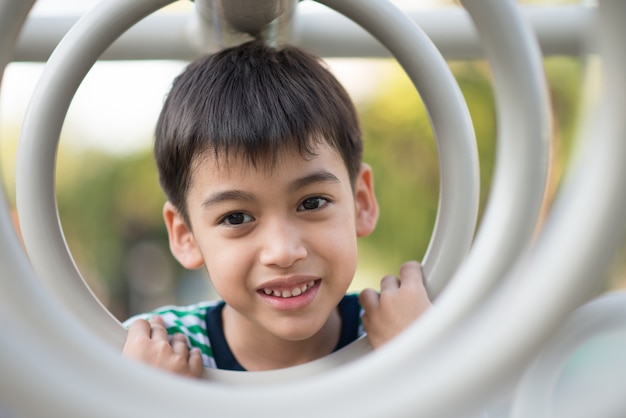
[[365, 201], [182, 242]]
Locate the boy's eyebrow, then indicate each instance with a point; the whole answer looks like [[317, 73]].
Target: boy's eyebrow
[[321, 176], [226, 196]]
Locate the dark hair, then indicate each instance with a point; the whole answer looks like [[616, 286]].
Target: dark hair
[[252, 100]]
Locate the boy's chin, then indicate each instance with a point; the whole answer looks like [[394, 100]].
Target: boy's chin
[[296, 333]]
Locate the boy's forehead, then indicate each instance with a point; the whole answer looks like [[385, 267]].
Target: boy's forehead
[[237, 162]]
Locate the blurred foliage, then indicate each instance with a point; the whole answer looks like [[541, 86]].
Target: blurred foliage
[[401, 149], [400, 146], [109, 205]]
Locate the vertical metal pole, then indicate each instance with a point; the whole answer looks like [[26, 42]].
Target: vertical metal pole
[[221, 24]]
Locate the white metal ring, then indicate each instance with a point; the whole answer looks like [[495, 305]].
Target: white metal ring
[[74, 56]]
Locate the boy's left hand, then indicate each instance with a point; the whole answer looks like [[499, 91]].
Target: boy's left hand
[[400, 302]]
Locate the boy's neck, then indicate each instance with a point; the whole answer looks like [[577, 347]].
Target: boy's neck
[[258, 350]]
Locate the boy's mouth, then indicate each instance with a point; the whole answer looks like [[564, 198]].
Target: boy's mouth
[[289, 293]]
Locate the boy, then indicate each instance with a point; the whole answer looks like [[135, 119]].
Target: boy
[[259, 153]]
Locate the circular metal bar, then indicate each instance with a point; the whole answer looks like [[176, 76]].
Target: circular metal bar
[[535, 393], [36, 203]]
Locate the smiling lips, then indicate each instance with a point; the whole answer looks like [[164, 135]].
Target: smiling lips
[[289, 293]]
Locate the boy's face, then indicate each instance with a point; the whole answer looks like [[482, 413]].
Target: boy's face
[[279, 243]]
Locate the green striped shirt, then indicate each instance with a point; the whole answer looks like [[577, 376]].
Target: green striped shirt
[[191, 321]]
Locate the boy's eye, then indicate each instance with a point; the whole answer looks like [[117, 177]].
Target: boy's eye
[[312, 203], [237, 218]]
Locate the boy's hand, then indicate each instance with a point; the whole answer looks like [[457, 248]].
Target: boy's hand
[[400, 302], [148, 342]]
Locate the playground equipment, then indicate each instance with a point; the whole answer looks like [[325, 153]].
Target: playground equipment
[[504, 295]]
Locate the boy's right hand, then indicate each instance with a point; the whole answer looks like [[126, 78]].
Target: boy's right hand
[[148, 342]]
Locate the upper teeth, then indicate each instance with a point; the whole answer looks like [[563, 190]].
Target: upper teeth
[[286, 293]]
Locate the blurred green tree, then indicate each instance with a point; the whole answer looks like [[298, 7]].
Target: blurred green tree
[[110, 204], [400, 146]]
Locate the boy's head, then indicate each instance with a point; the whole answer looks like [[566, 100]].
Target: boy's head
[[254, 101], [259, 153]]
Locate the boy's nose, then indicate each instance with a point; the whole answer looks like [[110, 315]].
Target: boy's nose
[[282, 246]]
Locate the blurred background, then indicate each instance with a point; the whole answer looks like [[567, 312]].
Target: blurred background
[[110, 202]]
